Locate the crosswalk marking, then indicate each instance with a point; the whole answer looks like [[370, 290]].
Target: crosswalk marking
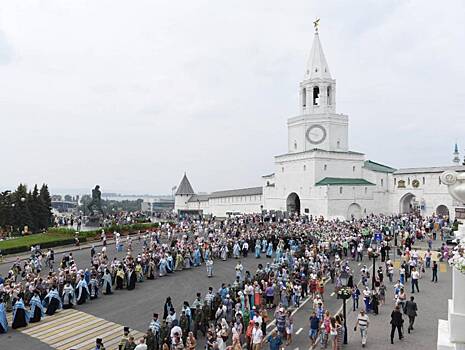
[[298, 332], [72, 329]]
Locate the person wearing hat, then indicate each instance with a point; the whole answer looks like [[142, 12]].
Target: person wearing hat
[[124, 339], [99, 344], [155, 326]]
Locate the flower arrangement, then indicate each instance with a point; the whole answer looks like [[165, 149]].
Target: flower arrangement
[[458, 258], [345, 292]]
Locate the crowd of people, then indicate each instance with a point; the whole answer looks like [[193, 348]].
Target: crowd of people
[[303, 255]]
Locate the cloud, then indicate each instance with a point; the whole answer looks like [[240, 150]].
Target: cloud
[[131, 95]]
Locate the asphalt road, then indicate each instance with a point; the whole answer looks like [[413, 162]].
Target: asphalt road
[[135, 308]]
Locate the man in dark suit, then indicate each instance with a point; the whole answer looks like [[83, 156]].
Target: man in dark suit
[[411, 311], [396, 322]]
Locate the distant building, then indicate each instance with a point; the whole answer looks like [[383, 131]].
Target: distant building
[[157, 205], [320, 175]]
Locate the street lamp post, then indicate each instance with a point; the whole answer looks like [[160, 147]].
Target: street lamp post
[[374, 255], [344, 293]]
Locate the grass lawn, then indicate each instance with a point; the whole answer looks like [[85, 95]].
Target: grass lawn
[[34, 239]]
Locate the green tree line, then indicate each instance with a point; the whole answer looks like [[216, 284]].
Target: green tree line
[[23, 208]]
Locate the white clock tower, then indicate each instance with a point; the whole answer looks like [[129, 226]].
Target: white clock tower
[[318, 126]]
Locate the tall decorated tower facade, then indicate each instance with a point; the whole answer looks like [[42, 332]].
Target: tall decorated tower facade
[[318, 125]]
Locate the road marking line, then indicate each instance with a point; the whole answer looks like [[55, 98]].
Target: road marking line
[[332, 294], [359, 264], [298, 332]]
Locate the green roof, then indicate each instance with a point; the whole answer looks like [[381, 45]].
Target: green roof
[[370, 165], [343, 181]]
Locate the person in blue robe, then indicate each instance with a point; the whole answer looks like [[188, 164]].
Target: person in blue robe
[[107, 287], [20, 315], [162, 266], [236, 250], [257, 249], [87, 276], [93, 288], [3, 319], [197, 257], [264, 245], [170, 264], [37, 310], [269, 250], [82, 291], [52, 300]]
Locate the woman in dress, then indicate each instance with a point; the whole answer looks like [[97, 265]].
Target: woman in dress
[[289, 328]]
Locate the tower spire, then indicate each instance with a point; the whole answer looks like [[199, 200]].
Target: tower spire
[[317, 67], [456, 154]]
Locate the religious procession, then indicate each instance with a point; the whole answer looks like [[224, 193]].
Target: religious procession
[[296, 259]]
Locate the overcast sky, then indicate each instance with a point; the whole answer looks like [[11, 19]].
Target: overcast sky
[[130, 94]]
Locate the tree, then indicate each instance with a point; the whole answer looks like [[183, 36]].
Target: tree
[[35, 207], [46, 207], [21, 215]]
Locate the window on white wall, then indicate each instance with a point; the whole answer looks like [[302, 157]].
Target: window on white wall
[[305, 167], [440, 182], [340, 190], [366, 190], [282, 169], [424, 180], [408, 181], [382, 182], [395, 181], [353, 168], [325, 167]]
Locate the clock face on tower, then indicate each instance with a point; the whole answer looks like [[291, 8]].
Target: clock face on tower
[[316, 134]]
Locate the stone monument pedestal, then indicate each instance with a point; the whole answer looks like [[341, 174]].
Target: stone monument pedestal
[[451, 332], [94, 220]]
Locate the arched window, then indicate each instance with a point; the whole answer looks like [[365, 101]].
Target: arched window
[[328, 95], [338, 144], [304, 97], [316, 93]]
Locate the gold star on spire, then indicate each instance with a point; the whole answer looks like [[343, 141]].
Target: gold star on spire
[[316, 24]]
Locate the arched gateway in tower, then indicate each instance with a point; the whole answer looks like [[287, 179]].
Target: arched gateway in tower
[[293, 203]]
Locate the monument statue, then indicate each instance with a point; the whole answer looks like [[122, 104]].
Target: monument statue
[[456, 186], [96, 201]]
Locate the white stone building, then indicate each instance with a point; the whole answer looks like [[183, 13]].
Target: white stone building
[[319, 175]]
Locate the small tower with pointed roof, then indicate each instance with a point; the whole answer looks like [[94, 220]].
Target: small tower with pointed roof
[[183, 193], [456, 155]]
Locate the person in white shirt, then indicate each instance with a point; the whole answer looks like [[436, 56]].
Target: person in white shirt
[[257, 337], [141, 345], [415, 276]]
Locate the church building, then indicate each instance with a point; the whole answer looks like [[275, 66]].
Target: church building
[[320, 175]]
